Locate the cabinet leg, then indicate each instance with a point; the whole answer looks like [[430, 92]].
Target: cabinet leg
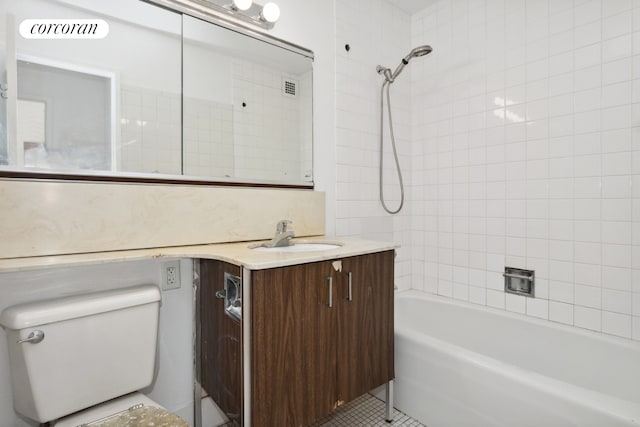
[[388, 413]]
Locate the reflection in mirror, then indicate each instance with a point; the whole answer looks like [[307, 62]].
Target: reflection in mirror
[[109, 104], [163, 95], [247, 106], [75, 132]]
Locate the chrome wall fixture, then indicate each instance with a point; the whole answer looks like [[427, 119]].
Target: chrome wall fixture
[[247, 11]]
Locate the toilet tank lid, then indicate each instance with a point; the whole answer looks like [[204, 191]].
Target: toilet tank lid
[[70, 307]]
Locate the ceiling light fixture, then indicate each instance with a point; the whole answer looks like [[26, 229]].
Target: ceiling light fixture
[[248, 11], [241, 4], [270, 13]]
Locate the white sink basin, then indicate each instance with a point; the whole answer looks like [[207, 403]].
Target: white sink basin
[[300, 247]]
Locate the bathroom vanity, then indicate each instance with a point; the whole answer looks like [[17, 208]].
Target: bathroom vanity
[[312, 337], [301, 333]]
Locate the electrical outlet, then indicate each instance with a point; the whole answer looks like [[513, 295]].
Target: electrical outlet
[[170, 275]]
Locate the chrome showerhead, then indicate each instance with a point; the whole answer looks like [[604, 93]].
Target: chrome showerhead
[[416, 52]]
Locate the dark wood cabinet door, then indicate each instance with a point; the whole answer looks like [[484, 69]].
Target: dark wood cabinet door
[[221, 342], [293, 349], [365, 324]]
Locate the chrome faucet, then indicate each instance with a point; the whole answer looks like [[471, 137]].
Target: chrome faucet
[[282, 237]]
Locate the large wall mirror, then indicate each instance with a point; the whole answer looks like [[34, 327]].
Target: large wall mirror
[[163, 96]]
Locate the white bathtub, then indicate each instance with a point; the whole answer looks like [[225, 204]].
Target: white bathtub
[[458, 364]]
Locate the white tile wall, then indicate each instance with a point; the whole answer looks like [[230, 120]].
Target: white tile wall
[[267, 124], [264, 139], [150, 131], [377, 33], [208, 138], [525, 151]]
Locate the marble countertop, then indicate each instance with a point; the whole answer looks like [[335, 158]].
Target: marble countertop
[[234, 253]]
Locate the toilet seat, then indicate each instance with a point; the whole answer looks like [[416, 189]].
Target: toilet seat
[[132, 410]]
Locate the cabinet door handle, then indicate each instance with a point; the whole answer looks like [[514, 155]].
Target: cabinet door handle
[[350, 296], [330, 279]]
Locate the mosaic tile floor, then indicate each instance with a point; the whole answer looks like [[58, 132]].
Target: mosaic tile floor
[[366, 411]]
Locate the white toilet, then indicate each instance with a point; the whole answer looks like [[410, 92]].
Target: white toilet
[[84, 351]]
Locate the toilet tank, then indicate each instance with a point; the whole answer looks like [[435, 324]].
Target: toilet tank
[[96, 346]]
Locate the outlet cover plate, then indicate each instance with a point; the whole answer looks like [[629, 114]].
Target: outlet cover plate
[[170, 275]]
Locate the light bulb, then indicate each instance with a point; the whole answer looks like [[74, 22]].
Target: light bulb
[[242, 4], [270, 12]]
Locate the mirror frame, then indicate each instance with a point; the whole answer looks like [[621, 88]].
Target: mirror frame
[[197, 9]]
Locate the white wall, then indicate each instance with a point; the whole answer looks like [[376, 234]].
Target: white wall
[[173, 384], [526, 153]]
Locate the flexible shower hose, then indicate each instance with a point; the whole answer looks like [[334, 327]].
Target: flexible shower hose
[[393, 145]]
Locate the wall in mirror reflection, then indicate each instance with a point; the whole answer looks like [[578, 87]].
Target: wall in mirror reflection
[[161, 94]]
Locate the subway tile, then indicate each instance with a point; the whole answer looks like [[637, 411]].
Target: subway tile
[[587, 209], [561, 291], [515, 303], [561, 126], [587, 100], [617, 25], [587, 56], [587, 34], [478, 295], [617, 71], [562, 41], [616, 163], [561, 209], [560, 188], [587, 318], [561, 63], [538, 209], [618, 140], [591, 165], [561, 250], [616, 301], [537, 248], [616, 209], [586, 144], [591, 77], [548, 178], [587, 252], [617, 48], [587, 188], [561, 84], [561, 312], [538, 308], [587, 274], [561, 229], [495, 299], [587, 231], [616, 117], [618, 278], [588, 296], [616, 232], [562, 271], [445, 288], [537, 189], [636, 328], [616, 324], [616, 255], [561, 105], [542, 287], [561, 167], [612, 7], [635, 304]]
